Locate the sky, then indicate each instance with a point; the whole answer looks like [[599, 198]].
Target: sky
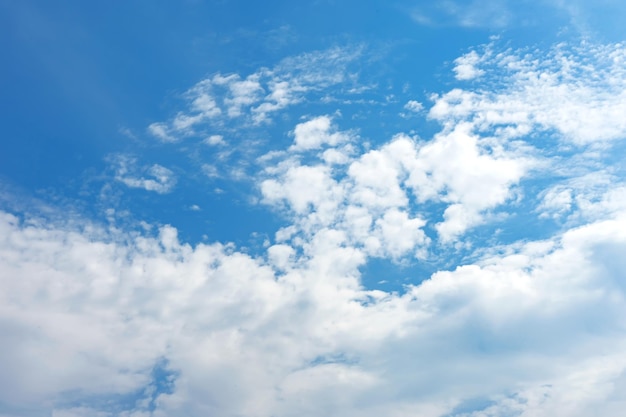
[[328, 208]]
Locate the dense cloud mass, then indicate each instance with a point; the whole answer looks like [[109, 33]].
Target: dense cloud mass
[[86, 316], [97, 320]]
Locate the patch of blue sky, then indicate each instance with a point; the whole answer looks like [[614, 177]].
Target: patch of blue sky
[[511, 227], [393, 276], [334, 359], [470, 406]]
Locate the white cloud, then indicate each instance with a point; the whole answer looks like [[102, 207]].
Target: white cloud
[[215, 140], [377, 175], [458, 168], [583, 198], [360, 196], [243, 93], [466, 66], [470, 174], [160, 130], [315, 133], [155, 178], [308, 190], [414, 106], [400, 233], [556, 202], [475, 164], [572, 95], [93, 315], [253, 100], [578, 92]]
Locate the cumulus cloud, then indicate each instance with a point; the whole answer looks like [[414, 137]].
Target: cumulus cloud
[[363, 196], [466, 66], [296, 334], [315, 133], [469, 174], [414, 106]]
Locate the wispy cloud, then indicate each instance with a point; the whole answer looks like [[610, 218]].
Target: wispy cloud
[[474, 14], [155, 177], [466, 66], [253, 99]]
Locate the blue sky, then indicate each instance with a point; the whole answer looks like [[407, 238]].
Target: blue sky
[[330, 208]]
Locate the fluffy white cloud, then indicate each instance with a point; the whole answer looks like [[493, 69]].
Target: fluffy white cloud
[[470, 174], [93, 314], [465, 171], [466, 66], [400, 233], [361, 196], [315, 133], [376, 176], [414, 105], [306, 189]]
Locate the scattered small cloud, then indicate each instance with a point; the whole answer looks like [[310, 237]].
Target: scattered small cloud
[[414, 106], [161, 131], [317, 132], [154, 177], [466, 66], [210, 171], [214, 140], [128, 133]]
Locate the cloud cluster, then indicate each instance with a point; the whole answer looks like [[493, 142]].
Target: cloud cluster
[[255, 98], [336, 186], [106, 322], [86, 318], [579, 92]]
